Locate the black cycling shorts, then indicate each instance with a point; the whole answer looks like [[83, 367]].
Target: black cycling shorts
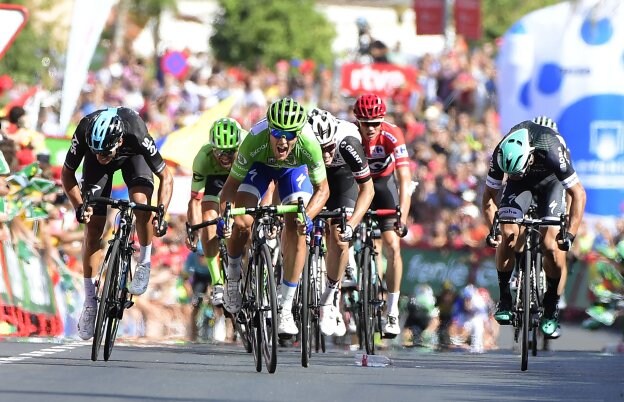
[[386, 197], [548, 194], [343, 190], [214, 185], [98, 178]]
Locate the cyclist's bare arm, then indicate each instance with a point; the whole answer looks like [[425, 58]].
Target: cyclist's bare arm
[[488, 204], [405, 194], [319, 198], [577, 206], [228, 192], [364, 199], [70, 186], [165, 188]]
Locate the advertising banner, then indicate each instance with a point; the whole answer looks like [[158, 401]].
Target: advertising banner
[[382, 79], [429, 17], [565, 61], [468, 18]]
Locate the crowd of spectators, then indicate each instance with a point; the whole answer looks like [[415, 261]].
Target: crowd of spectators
[[449, 119]]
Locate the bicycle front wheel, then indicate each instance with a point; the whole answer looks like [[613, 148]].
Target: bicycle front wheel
[[367, 318], [118, 300], [526, 310], [305, 294], [104, 297], [267, 308]]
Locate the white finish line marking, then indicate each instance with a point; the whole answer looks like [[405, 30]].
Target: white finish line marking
[[40, 353]]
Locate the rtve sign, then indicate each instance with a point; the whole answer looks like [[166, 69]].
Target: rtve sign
[[379, 78]]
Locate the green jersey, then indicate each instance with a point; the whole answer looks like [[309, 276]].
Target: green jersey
[[256, 148], [206, 165]]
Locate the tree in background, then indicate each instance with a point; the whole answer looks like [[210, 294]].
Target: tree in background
[[499, 15], [256, 32]]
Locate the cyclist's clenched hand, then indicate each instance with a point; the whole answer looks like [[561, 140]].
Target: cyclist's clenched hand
[[347, 234], [304, 224], [160, 227], [493, 241], [224, 231], [401, 229], [83, 215]]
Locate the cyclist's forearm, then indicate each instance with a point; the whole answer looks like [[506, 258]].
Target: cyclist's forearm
[[365, 197], [70, 186], [579, 198], [228, 192], [165, 187], [488, 205], [318, 200], [193, 212], [405, 195]]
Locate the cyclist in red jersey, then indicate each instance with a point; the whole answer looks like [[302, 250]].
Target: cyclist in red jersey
[[384, 146]]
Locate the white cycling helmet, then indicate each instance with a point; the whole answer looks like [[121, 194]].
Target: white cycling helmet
[[324, 125], [546, 122]]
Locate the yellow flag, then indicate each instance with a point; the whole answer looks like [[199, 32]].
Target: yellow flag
[[181, 145]]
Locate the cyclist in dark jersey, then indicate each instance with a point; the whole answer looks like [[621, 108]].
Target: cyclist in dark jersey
[[538, 168], [350, 185], [109, 140]]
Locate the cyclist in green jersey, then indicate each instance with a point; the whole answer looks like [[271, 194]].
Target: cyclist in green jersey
[[282, 148], [211, 167]]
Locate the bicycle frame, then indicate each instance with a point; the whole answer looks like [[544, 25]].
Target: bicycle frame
[[528, 309], [114, 271], [259, 309], [312, 285], [370, 283]]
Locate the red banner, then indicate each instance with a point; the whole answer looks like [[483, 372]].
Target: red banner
[[468, 18], [379, 78], [429, 17]]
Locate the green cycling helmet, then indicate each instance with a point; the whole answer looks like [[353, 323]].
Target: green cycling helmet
[[225, 133], [515, 152], [287, 114]]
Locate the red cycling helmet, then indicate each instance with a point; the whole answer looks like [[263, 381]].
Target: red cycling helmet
[[369, 107]]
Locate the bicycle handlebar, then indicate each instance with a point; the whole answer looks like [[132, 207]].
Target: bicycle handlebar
[[389, 212], [527, 222], [341, 213], [191, 229], [122, 204], [269, 209]]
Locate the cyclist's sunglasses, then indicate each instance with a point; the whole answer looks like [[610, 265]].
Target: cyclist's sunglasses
[[288, 135], [224, 152], [107, 152], [370, 123]]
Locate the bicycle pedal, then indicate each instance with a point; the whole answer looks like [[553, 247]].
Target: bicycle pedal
[[285, 337], [128, 304]]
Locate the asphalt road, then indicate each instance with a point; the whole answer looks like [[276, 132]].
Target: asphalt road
[[575, 370]]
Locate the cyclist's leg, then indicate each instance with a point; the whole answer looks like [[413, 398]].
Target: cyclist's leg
[[387, 197], [336, 263], [292, 184], [140, 181], [514, 203], [208, 235], [551, 203], [249, 193]]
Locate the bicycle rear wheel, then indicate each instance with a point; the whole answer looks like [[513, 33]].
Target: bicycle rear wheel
[[267, 308], [104, 291], [526, 310]]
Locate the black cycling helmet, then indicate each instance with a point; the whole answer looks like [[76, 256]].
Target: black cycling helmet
[[104, 131]]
